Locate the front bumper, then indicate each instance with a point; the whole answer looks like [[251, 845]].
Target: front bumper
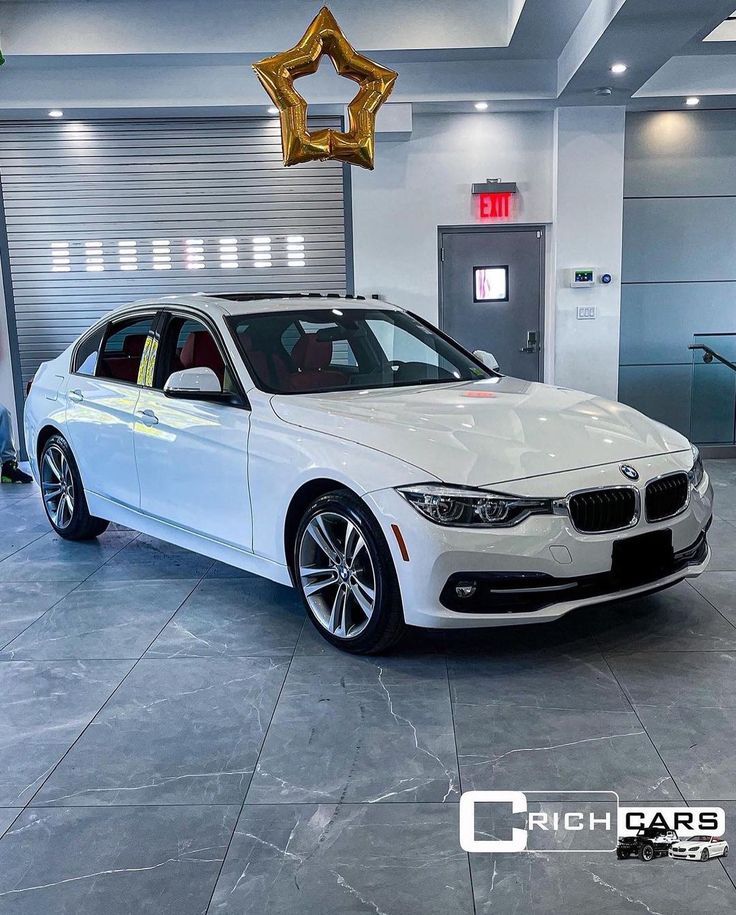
[[686, 855], [543, 548]]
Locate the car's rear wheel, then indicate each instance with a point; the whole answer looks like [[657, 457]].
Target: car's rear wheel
[[646, 853], [63, 493], [725, 852], [704, 855], [346, 576]]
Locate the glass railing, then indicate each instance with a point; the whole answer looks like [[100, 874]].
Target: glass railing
[[713, 389]]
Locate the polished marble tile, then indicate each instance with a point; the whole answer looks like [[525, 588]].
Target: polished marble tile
[[7, 816], [518, 748], [115, 620], [719, 589], [51, 558], [360, 730], [678, 619], [21, 603], [149, 558], [668, 678], [184, 731], [722, 540], [44, 708], [541, 679], [349, 859], [698, 746], [121, 861], [547, 884], [232, 617]]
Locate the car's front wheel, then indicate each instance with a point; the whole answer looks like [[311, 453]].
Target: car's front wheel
[[346, 576], [63, 494], [704, 855], [646, 853]]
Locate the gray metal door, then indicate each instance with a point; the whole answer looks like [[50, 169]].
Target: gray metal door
[[491, 293], [103, 212]]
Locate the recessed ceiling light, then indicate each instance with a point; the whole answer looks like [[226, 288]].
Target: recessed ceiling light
[[692, 100], [481, 106], [56, 113], [273, 110], [619, 68]]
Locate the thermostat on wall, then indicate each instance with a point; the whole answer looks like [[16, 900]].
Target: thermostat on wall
[[580, 277]]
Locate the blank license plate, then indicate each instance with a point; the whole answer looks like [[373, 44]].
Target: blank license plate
[[642, 557]]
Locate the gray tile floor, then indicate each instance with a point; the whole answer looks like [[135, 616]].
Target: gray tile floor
[[174, 738]]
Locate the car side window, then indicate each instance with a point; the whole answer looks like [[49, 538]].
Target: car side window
[[85, 359], [122, 352], [188, 344]]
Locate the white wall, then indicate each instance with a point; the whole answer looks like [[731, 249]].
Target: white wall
[[589, 163], [425, 183], [569, 168]]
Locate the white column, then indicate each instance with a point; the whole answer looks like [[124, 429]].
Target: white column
[[7, 392], [588, 203]]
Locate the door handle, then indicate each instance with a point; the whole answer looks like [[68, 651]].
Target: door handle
[[76, 396], [531, 342], [148, 417]]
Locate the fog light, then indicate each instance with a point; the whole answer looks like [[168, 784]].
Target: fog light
[[465, 589]]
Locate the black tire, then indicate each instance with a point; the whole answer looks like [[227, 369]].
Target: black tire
[[646, 852], [725, 852], [80, 525], [704, 854], [385, 626], [621, 854]]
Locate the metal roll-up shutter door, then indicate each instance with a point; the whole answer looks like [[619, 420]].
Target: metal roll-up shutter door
[[100, 213]]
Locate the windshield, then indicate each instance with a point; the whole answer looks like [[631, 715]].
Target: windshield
[[331, 349]]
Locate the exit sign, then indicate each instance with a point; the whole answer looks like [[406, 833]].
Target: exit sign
[[494, 198], [494, 206]]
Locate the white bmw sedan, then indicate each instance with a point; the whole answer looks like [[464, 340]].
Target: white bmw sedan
[[353, 451]]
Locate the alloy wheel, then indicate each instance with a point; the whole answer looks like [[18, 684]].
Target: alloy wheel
[[57, 487], [337, 574]]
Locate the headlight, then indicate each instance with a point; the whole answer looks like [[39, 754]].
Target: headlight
[[697, 472], [457, 507]]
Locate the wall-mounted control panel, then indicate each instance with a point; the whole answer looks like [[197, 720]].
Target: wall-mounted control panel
[[586, 277], [586, 313], [580, 277]]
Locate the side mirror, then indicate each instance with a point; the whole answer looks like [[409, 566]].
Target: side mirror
[[195, 384], [488, 359]]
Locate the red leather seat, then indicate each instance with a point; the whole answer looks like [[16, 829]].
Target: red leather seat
[[200, 352], [133, 346], [312, 358], [125, 367], [270, 367]]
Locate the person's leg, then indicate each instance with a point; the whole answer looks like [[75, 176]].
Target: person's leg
[[9, 470], [7, 448]]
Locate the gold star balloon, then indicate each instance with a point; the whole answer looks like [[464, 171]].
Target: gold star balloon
[[277, 75]]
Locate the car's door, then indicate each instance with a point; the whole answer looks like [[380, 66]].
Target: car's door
[[101, 396], [191, 453]]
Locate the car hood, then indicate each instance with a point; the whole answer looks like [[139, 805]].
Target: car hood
[[484, 432]]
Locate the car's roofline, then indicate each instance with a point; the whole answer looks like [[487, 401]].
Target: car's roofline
[[214, 304]]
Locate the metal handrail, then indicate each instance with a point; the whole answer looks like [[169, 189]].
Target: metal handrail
[[713, 355]]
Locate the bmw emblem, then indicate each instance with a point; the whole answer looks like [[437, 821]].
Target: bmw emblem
[[628, 471]]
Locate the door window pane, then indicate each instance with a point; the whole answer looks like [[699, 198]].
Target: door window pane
[[188, 344], [85, 361], [491, 284], [123, 350]]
